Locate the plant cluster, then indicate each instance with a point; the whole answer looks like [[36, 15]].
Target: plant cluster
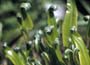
[[57, 43]]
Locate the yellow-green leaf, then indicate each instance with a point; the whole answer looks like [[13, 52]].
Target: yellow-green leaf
[[27, 23], [69, 21], [83, 52], [14, 58], [59, 54]]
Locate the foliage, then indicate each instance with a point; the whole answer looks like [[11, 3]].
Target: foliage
[[47, 46]]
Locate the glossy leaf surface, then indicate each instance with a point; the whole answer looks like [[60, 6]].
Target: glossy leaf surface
[[83, 52], [69, 21]]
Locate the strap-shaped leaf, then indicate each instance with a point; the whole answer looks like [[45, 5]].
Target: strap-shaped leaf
[[51, 35], [54, 33], [14, 58], [69, 21], [52, 22], [74, 13], [27, 23], [59, 54], [83, 53]]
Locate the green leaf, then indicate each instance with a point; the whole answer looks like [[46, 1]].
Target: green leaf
[[69, 21], [15, 59], [59, 54], [74, 13], [52, 21], [54, 34], [36, 44], [83, 52], [27, 23]]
